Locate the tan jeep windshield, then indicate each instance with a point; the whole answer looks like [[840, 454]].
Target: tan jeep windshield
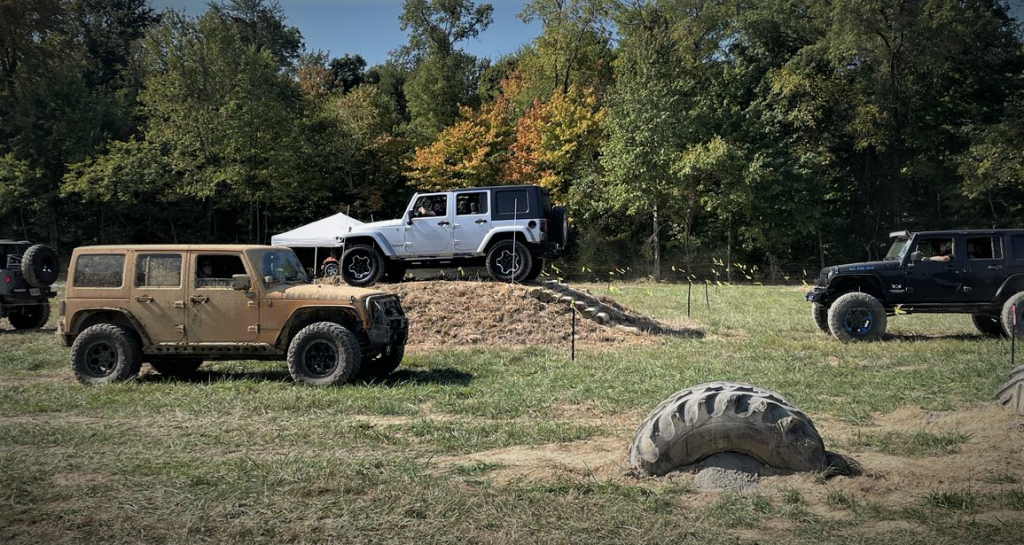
[[279, 266]]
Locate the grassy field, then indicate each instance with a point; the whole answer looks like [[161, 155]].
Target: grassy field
[[518, 446]]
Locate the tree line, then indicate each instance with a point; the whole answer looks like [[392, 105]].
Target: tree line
[[677, 132]]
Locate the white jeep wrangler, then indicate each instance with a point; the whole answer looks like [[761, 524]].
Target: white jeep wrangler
[[511, 230]]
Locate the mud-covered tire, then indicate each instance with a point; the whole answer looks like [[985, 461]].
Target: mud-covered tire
[[558, 226], [819, 314], [717, 417], [1007, 318], [105, 353], [176, 367], [988, 325], [40, 266], [362, 265], [324, 354], [509, 261], [857, 316], [29, 316], [382, 364]]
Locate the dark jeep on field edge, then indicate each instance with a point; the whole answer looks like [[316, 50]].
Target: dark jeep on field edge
[[26, 272], [978, 272]]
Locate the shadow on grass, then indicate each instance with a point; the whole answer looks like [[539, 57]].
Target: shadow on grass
[[48, 330], [446, 376], [913, 337]]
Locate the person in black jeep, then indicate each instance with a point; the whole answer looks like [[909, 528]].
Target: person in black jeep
[[943, 253]]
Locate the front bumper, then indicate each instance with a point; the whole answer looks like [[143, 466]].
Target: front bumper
[[389, 326], [817, 295]]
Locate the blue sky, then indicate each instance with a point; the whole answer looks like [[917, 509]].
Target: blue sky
[[370, 27]]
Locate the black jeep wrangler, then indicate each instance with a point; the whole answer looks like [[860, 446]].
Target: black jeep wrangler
[[980, 273], [26, 273]]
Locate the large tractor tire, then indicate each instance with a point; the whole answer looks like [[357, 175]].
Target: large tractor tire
[[1007, 318], [989, 325], [819, 313], [39, 266], [324, 354], [717, 417], [857, 316]]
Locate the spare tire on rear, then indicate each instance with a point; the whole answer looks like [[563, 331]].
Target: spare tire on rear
[[558, 226], [717, 417], [39, 266]]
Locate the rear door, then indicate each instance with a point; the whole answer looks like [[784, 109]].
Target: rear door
[[985, 267], [472, 220], [158, 295], [217, 313]]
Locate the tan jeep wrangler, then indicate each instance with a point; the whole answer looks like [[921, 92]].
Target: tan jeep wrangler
[[177, 306]]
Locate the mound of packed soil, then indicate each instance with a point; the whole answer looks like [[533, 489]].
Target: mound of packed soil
[[454, 314]]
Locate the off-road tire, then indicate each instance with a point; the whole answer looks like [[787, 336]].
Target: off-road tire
[[40, 266], [332, 269], [324, 354], [509, 261], [29, 316], [717, 417], [176, 367], [819, 314], [105, 353], [536, 269], [362, 265], [383, 364], [857, 316], [1006, 317], [989, 325], [558, 226]]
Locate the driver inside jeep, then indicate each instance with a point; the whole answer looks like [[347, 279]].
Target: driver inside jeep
[[944, 253]]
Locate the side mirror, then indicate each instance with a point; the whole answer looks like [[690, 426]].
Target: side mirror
[[241, 282], [916, 256], [408, 217]]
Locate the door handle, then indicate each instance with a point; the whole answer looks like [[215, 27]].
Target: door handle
[[442, 223], [198, 299], [144, 299], [479, 221], [995, 267]]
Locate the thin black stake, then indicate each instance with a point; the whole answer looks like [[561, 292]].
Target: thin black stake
[[707, 298], [572, 310], [689, 288]]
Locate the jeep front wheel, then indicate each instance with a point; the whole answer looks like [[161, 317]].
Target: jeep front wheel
[[819, 313], [323, 354], [1008, 319], [857, 316], [105, 353], [29, 316], [509, 261], [362, 265], [988, 325]]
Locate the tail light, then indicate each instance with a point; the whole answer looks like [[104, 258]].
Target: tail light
[[7, 279]]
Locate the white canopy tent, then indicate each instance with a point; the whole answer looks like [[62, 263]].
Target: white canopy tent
[[320, 233]]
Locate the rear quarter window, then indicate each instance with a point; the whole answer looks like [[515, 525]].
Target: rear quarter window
[[1017, 247], [99, 271]]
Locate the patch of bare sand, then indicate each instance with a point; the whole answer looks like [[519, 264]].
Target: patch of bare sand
[[995, 447]]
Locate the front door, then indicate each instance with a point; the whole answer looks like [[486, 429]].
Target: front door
[[984, 269], [216, 312], [431, 229], [158, 296], [937, 277]]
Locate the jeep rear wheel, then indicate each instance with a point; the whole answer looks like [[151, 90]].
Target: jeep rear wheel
[[105, 353], [362, 265], [988, 324], [323, 354], [1008, 320], [39, 266], [509, 261], [707, 419], [857, 316], [819, 313], [29, 316]]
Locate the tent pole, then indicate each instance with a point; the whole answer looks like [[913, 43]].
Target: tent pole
[[315, 260]]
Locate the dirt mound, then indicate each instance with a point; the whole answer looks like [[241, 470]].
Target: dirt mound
[[453, 314]]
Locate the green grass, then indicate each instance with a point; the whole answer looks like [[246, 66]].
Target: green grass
[[240, 455]]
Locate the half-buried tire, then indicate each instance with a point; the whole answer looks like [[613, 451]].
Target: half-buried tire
[[717, 417]]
